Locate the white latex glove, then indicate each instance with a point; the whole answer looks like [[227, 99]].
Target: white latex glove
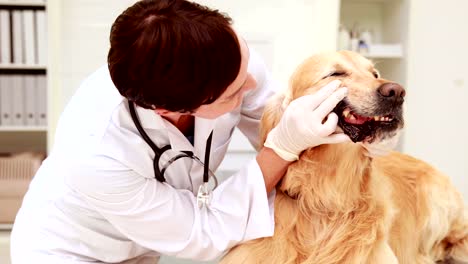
[[381, 148], [301, 125]]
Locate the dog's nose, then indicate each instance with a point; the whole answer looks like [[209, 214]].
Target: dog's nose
[[392, 91]]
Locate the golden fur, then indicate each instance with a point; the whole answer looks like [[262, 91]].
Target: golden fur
[[336, 205]]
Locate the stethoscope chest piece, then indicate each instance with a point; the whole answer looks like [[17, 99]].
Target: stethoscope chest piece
[[204, 195]]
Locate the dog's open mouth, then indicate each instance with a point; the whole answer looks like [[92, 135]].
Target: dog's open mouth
[[366, 127]]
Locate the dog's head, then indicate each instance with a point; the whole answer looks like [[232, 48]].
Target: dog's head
[[372, 110]]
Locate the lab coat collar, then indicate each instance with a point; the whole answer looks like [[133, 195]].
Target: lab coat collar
[[203, 127], [149, 119]]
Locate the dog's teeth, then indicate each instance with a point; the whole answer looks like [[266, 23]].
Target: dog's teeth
[[352, 117], [346, 113], [382, 118], [376, 118], [387, 119]]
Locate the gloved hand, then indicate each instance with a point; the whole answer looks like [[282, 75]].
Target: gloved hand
[[381, 148], [301, 125]]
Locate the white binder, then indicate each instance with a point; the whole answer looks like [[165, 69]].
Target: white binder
[[41, 103], [17, 35], [30, 100], [17, 100], [29, 37], [5, 37], [5, 100], [41, 37]]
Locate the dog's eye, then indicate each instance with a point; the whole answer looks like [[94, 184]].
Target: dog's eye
[[335, 74], [376, 75]]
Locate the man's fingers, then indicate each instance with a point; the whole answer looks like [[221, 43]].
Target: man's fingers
[[329, 126], [328, 89], [330, 103], [337, 138], [315, 99]]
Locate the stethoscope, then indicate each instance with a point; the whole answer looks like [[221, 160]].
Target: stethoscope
[[204, 192]]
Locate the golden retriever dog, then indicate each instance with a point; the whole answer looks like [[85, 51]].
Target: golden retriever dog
[[338, 205]]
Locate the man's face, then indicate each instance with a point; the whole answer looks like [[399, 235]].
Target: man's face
[[232, 96]]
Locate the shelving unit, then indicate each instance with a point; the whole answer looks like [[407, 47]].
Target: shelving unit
[[21, 3], [24, 67], [387, 21], [383, 56], [23, 82], [23, 129], [30, 136], [6, 227]]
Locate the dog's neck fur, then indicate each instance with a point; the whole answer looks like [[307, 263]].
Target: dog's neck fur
[[329, 178]]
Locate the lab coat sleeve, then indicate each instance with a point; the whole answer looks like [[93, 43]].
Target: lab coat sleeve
[[255, 100], [167, 220]]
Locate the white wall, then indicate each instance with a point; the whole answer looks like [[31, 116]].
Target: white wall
[[79, 42], [437, 98], [85, 37]]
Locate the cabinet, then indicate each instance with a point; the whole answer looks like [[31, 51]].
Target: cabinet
[[23, 84]]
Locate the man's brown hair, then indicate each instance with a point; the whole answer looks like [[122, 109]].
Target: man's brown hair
[[172, 54]]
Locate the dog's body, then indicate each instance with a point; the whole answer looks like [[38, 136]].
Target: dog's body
[[337, 205]]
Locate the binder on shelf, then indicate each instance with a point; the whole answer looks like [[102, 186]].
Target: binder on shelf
[[29, 37], [41, 37], [5, 37], [17, 35], [17, 89], [41, 100], [30, 100], [6, 110]]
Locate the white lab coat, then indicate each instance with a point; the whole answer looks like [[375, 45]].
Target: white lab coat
[[95, 198]]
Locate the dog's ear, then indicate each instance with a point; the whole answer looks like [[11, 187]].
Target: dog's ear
[[272, 114]]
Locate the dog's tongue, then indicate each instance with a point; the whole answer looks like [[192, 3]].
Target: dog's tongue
[[356, 119]]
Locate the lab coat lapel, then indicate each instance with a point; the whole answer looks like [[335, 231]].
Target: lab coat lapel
[[150, 120], [177, 139]]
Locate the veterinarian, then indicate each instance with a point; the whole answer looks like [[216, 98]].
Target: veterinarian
[[131, 177]]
